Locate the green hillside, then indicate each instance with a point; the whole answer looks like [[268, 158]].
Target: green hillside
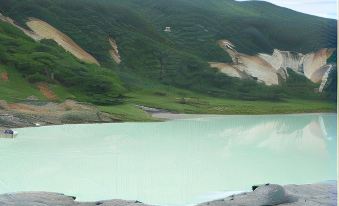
[[27, 62], [153, 59]]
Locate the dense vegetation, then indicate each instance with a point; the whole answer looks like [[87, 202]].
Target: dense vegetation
[[177, 59], [47, 62]]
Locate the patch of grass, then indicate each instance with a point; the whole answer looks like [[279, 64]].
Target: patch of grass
[[127, 112], [61, 92], [200, 104], [17, 88]]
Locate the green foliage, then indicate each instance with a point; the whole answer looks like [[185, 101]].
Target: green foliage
[[47, 62], [149, 55], [330, 89], [333, 58], [34, 78], [299, 86], [188, 102], [16, 88], [127, 112]]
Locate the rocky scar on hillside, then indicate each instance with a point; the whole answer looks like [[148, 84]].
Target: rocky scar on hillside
[[272, 69], [33, 112], [264, 195], [42, 30]]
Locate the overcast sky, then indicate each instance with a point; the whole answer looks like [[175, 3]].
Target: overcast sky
[[324, 8]]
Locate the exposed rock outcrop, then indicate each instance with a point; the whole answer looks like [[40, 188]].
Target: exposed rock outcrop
[[42, 30], [46, 31], [114, 51], [270, 69], [26, 31], [325, 76], [228, 69], [291, 195]]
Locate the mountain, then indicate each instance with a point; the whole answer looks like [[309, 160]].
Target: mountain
[[99, 51]]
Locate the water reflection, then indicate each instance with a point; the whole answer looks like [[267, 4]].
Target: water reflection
[[307, 135]]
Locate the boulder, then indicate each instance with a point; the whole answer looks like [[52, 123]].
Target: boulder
[[289, 195]]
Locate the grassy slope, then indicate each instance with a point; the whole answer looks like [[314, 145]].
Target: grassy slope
[[127, 112], [195, 103], [254, 26], [16, 88], [29, 62], [182, 101], [180, 58], [137, 29]]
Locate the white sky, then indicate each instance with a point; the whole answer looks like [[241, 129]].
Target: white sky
[[323, 8]]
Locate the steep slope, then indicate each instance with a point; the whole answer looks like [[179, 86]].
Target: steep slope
[[42, 30], [46, 31], [180, 58], [114, 51], [309, 64], [48, 72], [26, 31], [196, 25], [269, 68]]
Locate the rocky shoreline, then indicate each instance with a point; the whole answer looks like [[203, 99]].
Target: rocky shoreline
[[32, 113], [262, 195], [39, 113]]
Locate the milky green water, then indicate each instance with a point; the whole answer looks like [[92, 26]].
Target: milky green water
[[170, 163]]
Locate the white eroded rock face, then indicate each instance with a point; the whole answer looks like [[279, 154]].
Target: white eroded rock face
[[26, 31], [114, 51], [325, 77], [270, 68], [227, 69], [42, 30], [315, 61], [284, 59], [258, 68]]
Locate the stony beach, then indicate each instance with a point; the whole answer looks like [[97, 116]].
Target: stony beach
[[263, 195]]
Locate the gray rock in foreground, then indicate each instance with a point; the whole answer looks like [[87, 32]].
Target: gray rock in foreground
[[56, 199], [265, 195], [289, 195]]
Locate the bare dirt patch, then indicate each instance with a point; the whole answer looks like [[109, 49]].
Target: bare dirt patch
[[47, 31], [44, 89], [226, 69], [4, 76], [13, 23]]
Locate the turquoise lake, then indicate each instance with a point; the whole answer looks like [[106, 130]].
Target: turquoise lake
[[179, 162]]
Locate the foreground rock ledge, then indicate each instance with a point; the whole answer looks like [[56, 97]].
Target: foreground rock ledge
[[264, 195]]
